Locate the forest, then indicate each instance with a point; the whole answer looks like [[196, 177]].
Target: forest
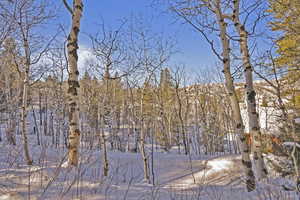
[[149, 99]]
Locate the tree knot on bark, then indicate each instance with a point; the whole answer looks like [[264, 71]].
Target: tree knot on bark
[[73, 124], [80, 7], [73, 83], [72, 43], [251, 96], [74, 53], [76, 30], [248, 164], [248, 67], [72, 90], [77, 132]]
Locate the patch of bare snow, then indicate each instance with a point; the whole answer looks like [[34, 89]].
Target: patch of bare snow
[[216, 171]]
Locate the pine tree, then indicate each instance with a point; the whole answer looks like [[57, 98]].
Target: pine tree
[[287, 24]]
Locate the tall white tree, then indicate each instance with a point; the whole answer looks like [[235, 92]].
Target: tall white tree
[[73, 84], [253, 121], [209, 17]]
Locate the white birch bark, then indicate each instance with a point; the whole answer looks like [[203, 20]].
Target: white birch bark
[[24, 102], [253, 121], [105, 163], [73, 84], [239, 126], [142, 142]]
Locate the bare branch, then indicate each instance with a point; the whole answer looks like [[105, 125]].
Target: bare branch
[[68, 7], [210, 42]]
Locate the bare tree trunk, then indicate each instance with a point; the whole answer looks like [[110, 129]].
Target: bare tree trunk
[[11, 131], [103, 145], [51, 128], [73, 84], [36, 126], [57, 135], [239, 127], [24, 106], [64, 127], [25, 100], [46, 116], [11, 125], [41, 116], [104, 154], [142, 142], [180, 115], [254, 128], [169, 119]]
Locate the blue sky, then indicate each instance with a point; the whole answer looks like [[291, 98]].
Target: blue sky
[[193, 50]]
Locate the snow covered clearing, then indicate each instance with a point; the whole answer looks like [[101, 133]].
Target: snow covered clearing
[[175, 177]]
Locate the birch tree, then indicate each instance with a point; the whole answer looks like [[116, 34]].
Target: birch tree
[[73, 84], [253, 121], [28, 16], [208, 17], [142, 131]]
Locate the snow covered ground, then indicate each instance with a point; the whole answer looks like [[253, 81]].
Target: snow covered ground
[[175, 177]]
